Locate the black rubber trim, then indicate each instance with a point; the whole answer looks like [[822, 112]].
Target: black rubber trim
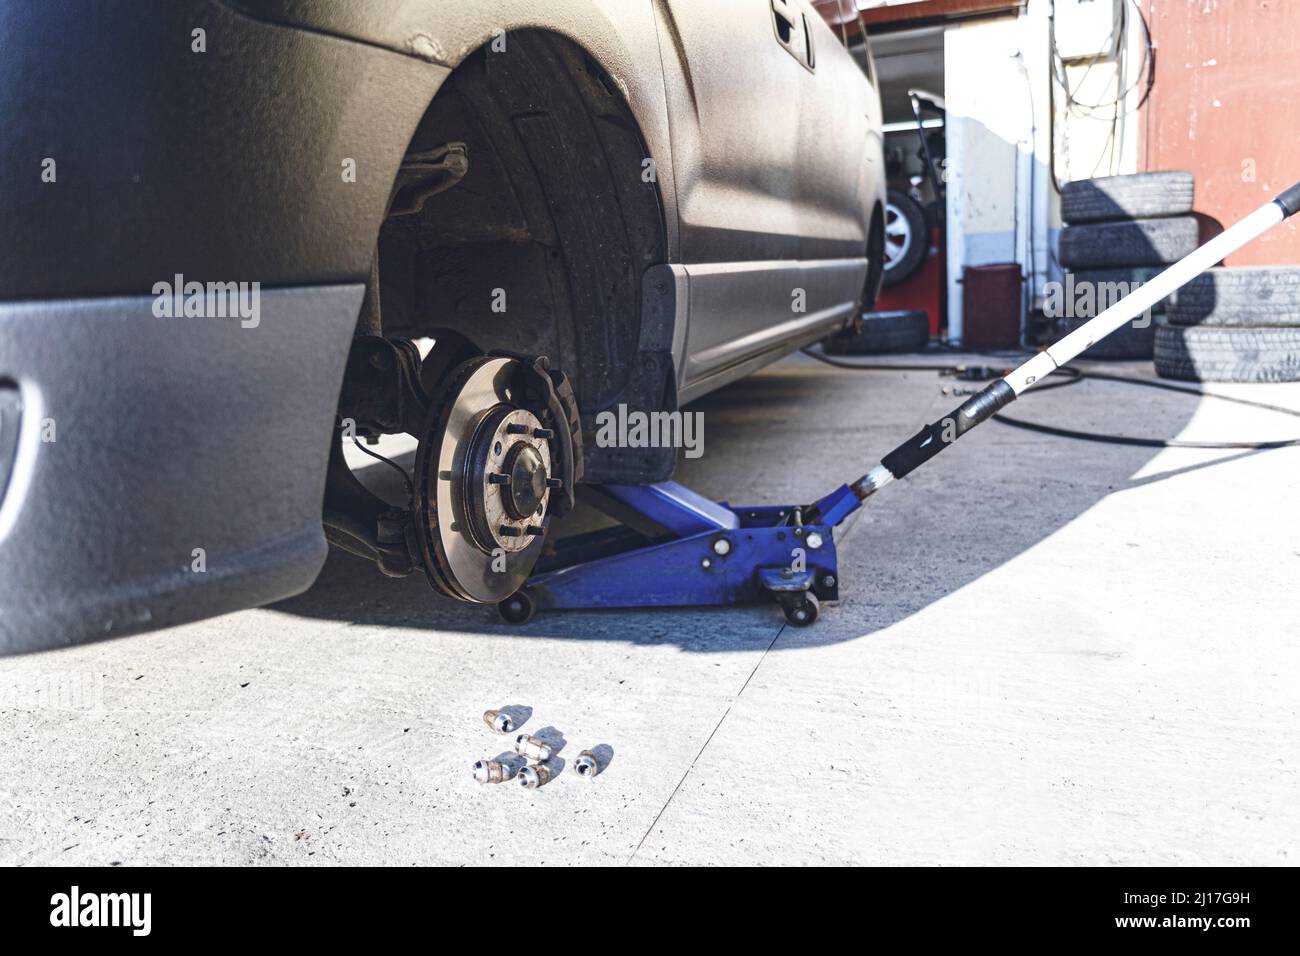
[[1290, 201], [936, 436]]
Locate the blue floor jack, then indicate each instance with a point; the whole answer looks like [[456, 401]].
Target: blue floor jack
[[677, 548]]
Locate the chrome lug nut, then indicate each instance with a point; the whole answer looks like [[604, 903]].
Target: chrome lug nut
[[530, 778], [586, 766], [492, 771], [531, 748], [499, 721]]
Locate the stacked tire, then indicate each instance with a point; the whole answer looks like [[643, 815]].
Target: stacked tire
[[879, 333], [1234, 325], [1119, 232]]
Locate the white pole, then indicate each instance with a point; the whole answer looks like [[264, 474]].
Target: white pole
[[936, 436]]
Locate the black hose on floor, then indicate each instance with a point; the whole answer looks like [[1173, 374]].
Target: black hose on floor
[[1074, 376]]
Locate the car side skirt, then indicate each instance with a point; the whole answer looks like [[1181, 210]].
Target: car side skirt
[[733, 318]]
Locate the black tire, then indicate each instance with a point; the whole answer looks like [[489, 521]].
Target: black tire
[[883, 332], [1139, 196], [906, 237], [1249, 296], [1105, 287], [1088, 292], [1129, 341], [1227, 354], [555, 209], [1138, 242]]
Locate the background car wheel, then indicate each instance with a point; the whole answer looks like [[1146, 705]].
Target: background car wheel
[[1139, 196], [906, 237], [883, 332], [1138, 242], [1240, 296], [1226, 354]]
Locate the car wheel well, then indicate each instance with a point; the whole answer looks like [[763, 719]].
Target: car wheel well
[[540, 246]]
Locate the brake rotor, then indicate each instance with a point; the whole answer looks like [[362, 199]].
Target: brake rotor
[[483, 471]]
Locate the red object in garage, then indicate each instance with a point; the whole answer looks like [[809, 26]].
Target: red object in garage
[[922, 291], [991, 303]]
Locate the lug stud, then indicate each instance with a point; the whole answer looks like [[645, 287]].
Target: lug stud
[[498, 478], [555, 484], [543, 433], [516, 429], [534, 530], [508, 532]]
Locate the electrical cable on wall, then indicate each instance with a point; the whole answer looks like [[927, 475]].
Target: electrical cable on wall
[[1144, 78]]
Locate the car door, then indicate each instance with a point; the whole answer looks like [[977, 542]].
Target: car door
[[766, 113], [735, 98]]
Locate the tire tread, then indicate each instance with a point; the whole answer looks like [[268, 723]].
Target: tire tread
[[1228, 354]]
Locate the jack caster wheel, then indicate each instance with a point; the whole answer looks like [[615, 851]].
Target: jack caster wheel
[[801, 611], [520, 607]]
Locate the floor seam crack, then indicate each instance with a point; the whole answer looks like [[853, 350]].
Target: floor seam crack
[[708, 740]]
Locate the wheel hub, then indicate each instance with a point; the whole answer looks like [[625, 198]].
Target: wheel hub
[[504, 474], [527, 473], [483, 470]]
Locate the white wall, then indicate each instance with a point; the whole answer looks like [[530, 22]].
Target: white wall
[[1002, 206], [990, 136]]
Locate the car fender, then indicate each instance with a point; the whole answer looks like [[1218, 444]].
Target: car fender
[[619, 35]]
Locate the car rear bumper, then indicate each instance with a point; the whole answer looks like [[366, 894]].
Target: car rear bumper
[[165, 469]]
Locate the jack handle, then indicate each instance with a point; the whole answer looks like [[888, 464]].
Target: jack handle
[[938, 435]]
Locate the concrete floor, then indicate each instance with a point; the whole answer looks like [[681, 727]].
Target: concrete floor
[[1050, 652]]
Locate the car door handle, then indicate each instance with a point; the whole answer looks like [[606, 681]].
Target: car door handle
[[784, 19], [792, 31]]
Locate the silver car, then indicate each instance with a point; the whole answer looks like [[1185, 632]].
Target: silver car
[[241, 233]]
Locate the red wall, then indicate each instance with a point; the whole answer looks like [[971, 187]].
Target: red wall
[[1226, 102]]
